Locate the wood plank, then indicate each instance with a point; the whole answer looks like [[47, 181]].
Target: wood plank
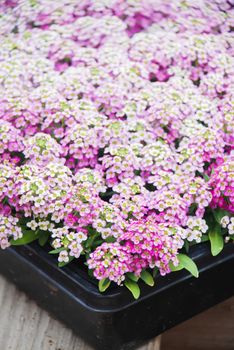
[[154, 344], [24, 326], [211, 330]]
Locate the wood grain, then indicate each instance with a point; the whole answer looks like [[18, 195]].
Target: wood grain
[[24, 326], [211, 330]]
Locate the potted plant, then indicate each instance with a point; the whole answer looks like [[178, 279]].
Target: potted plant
[[117, 165]]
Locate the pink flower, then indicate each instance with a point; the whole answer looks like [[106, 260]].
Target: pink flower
[[222, 184], [113, 114], [111, 261], [152, 244]]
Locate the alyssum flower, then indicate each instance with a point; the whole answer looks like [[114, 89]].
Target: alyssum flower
[[116, 131]]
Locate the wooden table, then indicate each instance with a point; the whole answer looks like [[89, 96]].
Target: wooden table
[[25, 326]]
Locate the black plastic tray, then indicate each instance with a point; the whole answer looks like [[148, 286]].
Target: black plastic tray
[[113, 320]]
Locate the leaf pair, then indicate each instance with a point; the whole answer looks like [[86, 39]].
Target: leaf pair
[[30, 236], [185, 262], [130, 282]]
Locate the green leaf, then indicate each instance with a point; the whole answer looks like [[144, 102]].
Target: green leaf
[[97, 243], [216, 240], [174, 268], [155, 271], [192, 208], [90, 272], [186, 246], [132, 277], [133, 287], [91, 240], [103, 284], [204, 238], [147, 278], [219, 214], [43, 238], [28, 237], [206, 177], [56, 251], [110, 239], [188, 264]]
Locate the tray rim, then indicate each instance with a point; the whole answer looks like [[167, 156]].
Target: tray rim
[[115, 320], [80, 285]]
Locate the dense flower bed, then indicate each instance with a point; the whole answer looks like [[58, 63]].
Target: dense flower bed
[[117, 132]]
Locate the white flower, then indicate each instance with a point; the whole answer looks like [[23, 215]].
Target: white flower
[[63, 256], [225, 221], [33, 225]]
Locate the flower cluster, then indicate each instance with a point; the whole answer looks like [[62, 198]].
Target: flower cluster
[[222, 184], [7, 178], [42, 149], [9, 229], [42, 190], [110, 260], [196, 228], [153, 245], [228, 223], [70, 241], [11, 142], [116, 129]]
